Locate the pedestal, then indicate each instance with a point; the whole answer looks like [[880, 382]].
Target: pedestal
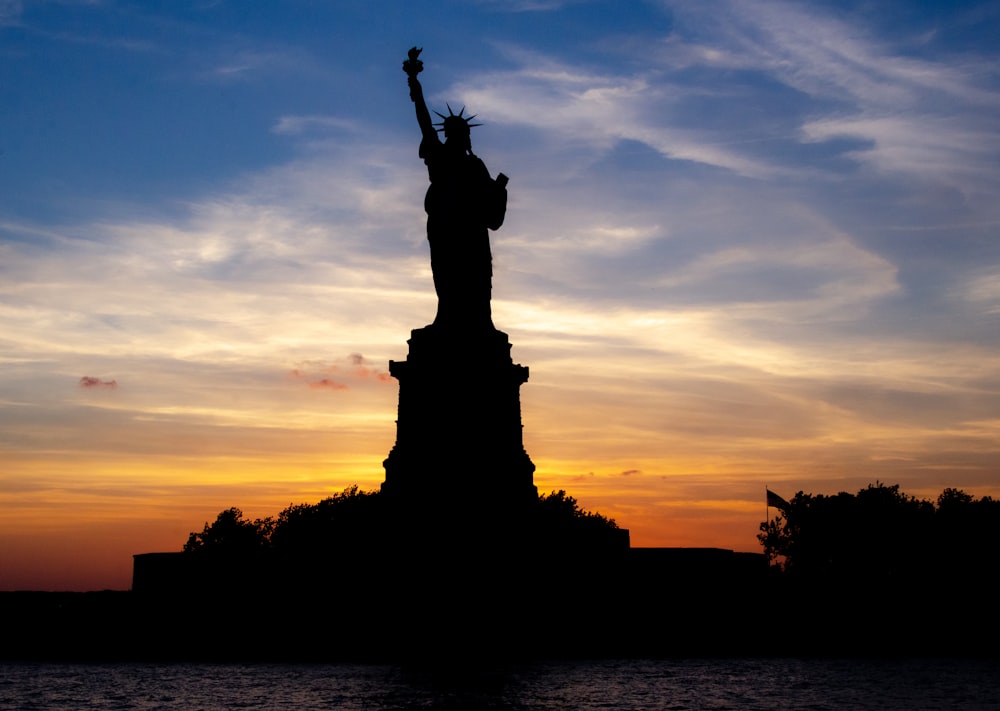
[[458, 431]]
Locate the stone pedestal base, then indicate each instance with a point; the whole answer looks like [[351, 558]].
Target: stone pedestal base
[[458, 432]]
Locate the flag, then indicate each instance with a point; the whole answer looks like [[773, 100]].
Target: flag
[[776, 501]]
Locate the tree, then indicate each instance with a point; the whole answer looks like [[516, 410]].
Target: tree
[[881, 535], [231, 534], [349, 519], [968, 535], [355, 523], [560, 519]]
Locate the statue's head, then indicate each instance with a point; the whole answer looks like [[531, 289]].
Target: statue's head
[[457, 128]]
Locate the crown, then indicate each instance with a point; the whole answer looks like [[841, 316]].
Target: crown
[[455, 121]]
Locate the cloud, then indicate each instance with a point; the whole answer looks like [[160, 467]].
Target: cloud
[[919, 146], [318, 383], [10, 12], [327, 383], [362, 370], [982, 290], [88, 381], [596, 110], [295, 125], [230, 60], [284, 258], [820, 54], [775, 79], [920, 115], [354, 368]]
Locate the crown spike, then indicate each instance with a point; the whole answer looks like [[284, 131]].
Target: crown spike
[[452, 116]]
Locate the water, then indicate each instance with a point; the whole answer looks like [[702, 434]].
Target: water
[[659, 684]]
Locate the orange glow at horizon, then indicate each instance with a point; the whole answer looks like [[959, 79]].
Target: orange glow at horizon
[[74, 533], [67, 532]]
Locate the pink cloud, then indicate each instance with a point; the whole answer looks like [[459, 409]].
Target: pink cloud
[[88, 381], [356, 368], [327, 383]]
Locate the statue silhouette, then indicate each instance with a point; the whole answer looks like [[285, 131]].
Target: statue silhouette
[[462, 203], [459, 425]]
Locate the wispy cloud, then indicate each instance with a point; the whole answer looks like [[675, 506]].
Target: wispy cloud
[[294, 125], [934, 149], [236, 61], [578, 108], [921, 115], [851, 84], [982, 290]]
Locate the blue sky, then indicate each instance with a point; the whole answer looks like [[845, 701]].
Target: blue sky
[[746, 242]]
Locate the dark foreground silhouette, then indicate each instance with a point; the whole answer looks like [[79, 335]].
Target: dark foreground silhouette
[[355, 578], [338, 580]]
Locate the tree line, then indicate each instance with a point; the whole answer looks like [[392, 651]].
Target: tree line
[[882, 535], [357, 520]]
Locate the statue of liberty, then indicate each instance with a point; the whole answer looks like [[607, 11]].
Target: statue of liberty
[[463, 202]]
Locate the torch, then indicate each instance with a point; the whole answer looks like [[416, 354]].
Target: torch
[[412, 65]]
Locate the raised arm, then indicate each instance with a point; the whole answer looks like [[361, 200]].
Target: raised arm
[[413, 66]]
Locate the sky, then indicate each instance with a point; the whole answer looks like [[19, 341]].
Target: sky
[[748, 244]]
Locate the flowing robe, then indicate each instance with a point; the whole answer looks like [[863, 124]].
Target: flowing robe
[[463, 202]]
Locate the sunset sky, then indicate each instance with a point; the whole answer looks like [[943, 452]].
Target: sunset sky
[[747, 243]]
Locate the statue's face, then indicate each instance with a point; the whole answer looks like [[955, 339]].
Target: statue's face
[[456, 132]]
